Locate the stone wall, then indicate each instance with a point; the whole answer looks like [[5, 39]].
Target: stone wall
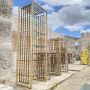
[[5, 46], [5, 38], [74, 47], [85, 40], [6, 8]]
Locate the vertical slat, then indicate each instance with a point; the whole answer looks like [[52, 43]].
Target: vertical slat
[[22, 44], [17, 71], [55, 54], [30, 53], [27, 48], [60, 71]]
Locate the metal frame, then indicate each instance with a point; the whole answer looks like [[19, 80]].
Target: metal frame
[[55, 53], [58, 53], [55, 56], [40, 32], [64, 55], [5, 10], [24, 59], [32, 58]]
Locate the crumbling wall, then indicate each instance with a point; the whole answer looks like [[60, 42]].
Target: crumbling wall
[[6, 8], [5, 38]]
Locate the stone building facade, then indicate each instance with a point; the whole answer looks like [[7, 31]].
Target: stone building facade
[[73, 47], [85, 40]]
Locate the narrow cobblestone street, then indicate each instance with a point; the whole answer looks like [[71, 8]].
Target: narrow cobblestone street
[[77, 80]]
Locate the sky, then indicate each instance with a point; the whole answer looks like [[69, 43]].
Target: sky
[[70, 17]]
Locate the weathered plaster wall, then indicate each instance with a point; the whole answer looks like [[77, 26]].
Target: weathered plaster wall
[[5, 38], [6, 8]]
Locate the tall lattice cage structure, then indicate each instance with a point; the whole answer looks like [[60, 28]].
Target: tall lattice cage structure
[[24, 59], [40, 53], [58, 53], [64, 55], [55, 53], [32, 58], [55, 57]]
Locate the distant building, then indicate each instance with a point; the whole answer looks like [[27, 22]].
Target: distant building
[[73, 47], [85, 40], [5, 37]]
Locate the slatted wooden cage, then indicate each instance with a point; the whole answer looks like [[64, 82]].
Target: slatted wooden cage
[[24, 53], [58, 53], [55, 56], [40, 54], [32, 58], [64, 55]]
